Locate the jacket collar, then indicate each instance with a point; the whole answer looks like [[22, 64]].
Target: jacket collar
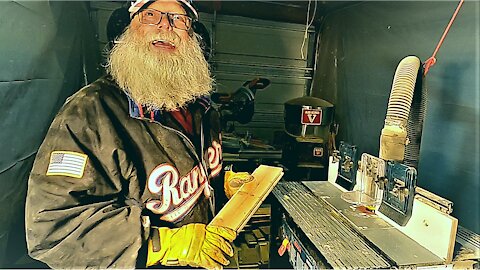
[[201, 104]]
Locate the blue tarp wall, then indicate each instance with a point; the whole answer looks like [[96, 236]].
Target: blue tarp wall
[[360, 48], [47, 52]]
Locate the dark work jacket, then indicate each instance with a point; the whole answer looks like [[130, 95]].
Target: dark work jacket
[[137, 173]]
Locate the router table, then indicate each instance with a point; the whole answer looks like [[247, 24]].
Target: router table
[[320, 230]]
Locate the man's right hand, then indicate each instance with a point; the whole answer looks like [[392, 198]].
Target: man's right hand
[[195, 244]]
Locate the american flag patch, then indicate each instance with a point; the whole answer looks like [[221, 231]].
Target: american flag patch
[[67, 164]]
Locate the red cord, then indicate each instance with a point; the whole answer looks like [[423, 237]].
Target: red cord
[[140, 110], [152, 113], [432, 60]]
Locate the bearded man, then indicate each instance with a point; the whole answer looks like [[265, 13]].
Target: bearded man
[[123, 178]]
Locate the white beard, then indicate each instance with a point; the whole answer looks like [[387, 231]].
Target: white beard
[[160, 80]]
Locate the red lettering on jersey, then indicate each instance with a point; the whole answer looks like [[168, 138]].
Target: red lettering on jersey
[[178, 194], [215, 158], [164, 180]]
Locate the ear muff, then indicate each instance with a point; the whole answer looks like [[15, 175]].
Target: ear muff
[[205, 41], [118, 21]]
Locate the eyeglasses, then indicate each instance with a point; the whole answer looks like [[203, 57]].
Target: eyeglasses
[[154, 17]]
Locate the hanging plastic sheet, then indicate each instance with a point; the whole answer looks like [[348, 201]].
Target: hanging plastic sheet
[[47, 53]]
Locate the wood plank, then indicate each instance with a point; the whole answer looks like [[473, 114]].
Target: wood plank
[[241, 207]]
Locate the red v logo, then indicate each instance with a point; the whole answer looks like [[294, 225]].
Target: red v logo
[[311, 116]]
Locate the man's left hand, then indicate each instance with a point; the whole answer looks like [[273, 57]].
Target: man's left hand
[[235, 180]]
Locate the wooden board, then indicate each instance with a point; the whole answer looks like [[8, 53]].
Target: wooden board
[[241, 207]]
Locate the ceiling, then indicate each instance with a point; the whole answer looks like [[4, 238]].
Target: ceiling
[[284, 11]]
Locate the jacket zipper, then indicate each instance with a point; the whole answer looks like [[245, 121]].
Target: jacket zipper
[[200, 161], [211, 199], [190, 144]]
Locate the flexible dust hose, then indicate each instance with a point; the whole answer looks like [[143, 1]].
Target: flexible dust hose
[[394, 133], [415, 122]]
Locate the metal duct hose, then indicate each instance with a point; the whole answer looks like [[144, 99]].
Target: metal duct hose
[[394, 132]]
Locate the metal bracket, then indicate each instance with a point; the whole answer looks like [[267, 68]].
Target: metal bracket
[[399, 192], [434, 200], [347, 169]]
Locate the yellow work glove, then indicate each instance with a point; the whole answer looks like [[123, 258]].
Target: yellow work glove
[[234, 180], [194, 244]]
